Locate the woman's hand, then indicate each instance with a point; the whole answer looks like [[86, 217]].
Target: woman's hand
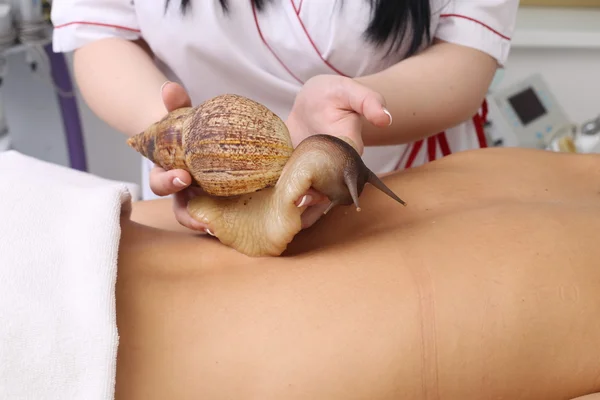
[[336, 105], [333, 105], [176, 181]]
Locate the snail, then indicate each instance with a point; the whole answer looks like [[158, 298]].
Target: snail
[[241, 155]]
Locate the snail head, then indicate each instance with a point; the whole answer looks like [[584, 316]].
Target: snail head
[[342, 173]]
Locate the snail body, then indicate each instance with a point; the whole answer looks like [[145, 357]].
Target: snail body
[[241, 155]]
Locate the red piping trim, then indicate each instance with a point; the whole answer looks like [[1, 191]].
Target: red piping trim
[[313, 43], [431, 147], [299, 8], [443, 140], [477, 121], [97, 24], [269, 47], [432, 142], [402, 157], [484, 111], [413, 154], [476, 21]]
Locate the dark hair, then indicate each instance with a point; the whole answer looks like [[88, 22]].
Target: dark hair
[[390, 20]]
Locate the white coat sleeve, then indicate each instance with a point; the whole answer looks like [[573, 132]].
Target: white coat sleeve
[[78, 22], [486, 25]]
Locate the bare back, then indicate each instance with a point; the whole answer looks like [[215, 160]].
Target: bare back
[[485, 286]]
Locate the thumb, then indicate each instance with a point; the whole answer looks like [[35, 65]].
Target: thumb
[[174, 96], [366, 102]]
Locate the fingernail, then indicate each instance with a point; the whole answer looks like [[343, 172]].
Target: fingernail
[[306, 199], [209, 232], [163, 86], [385, 110], [179, 182]]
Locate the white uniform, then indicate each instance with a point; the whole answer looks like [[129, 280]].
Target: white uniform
[[268, 55]]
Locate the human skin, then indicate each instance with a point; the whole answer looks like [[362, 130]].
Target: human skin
[[485, 286]]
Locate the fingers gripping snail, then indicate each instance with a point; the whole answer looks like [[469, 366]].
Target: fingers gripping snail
[[241, 154]]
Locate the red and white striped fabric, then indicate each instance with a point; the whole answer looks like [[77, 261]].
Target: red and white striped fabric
[[268, 55]]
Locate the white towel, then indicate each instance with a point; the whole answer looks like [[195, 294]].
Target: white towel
[[59, 238]]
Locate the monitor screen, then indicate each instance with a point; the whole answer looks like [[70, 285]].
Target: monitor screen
[[527, 106]]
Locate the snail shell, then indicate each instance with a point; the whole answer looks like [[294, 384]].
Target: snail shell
[[230, 145]]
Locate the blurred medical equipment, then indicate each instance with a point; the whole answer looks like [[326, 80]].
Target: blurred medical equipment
[[527, 114], [591, 127], [528, 111], [25, 27], [30, 22], [590, 135], [8, 33]]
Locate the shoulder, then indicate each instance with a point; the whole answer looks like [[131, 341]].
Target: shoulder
[[485, 25], [78, 22]]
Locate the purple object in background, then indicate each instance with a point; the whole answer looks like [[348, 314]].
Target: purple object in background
[[69, 110]]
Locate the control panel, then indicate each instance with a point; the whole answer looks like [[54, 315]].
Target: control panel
[[528, 112]]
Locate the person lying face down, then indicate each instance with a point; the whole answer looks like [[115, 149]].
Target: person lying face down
[[486, 286]]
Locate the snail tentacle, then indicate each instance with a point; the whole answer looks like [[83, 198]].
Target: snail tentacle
[[332, 205], [378, 183], [352, 184]]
